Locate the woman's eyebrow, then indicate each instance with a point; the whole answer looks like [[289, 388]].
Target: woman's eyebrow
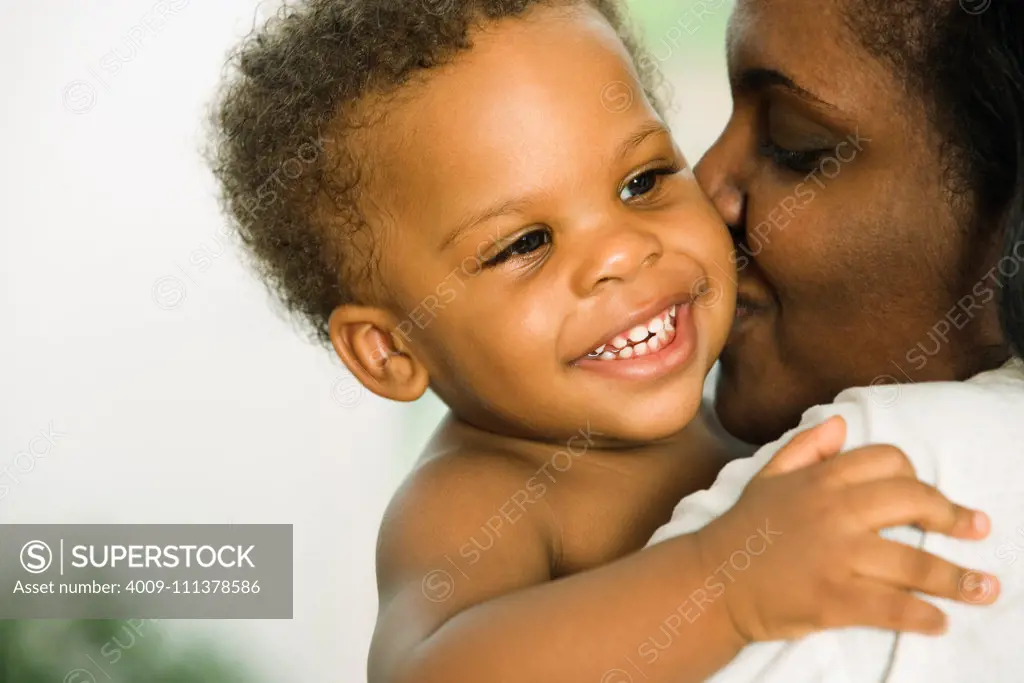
[[757, 80]]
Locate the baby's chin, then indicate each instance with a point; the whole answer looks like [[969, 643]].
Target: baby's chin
[[620, 419], [641, 424], [604, 425], [612, 414]]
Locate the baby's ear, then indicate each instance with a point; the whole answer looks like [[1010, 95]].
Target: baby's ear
[[368, 343]]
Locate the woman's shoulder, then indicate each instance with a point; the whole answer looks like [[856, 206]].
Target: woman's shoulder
[[936, 423], [889, 399]]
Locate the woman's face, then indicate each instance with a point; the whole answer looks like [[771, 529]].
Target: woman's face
[[854, 267]]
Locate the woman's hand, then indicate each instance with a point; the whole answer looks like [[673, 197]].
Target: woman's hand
[[822, 563]]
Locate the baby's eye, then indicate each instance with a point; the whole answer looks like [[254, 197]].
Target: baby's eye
[[527, 244], [643, 183]]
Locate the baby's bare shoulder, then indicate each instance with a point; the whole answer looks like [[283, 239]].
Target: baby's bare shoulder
[[466, 478], [445, 547], [457, 502]]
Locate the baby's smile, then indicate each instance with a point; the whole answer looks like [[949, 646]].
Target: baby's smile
[[650, 349], [640, 340]]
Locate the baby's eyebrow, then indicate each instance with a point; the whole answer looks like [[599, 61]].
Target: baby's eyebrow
[[637, 138], [466, 224], [518, 205]]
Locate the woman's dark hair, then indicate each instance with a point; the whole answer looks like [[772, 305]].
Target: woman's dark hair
[[289, 182], [966, 58]]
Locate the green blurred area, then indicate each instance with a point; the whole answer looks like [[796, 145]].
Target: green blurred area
[[107, 650], [689, 26]]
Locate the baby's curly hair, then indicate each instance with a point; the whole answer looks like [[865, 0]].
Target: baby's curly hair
[[289, 183]]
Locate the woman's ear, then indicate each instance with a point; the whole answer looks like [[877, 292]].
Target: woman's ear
[[368, 343]]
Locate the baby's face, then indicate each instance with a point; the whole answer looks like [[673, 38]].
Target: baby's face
[[552, 261]]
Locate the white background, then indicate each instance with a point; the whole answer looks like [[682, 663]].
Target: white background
[[179, 393]]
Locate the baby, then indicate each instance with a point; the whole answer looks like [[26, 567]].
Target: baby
[[491, 206]]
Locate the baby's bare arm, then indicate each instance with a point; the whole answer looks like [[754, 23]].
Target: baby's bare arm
[[452, 611]]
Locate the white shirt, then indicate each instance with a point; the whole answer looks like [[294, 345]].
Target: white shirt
[[965, 438]]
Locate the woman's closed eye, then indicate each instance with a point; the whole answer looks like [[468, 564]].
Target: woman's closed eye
[[794, 141], [798, 161], [526, 244]]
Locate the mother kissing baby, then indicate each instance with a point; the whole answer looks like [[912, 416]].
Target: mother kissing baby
[[600, 291]]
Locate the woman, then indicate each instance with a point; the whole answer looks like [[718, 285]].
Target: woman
[[870, 172], [878, 209]]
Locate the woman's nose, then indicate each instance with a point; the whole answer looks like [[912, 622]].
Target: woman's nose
[[617, 254], [722, 174]]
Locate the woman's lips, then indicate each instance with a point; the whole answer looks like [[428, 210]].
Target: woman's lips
[[749, 311], [744, 310], [747, 305]]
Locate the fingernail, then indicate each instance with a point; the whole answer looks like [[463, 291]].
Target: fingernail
[[982, 524], [977, 587], [989, 586]]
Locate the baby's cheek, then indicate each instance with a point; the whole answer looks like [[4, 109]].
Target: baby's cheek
[[496, 349]]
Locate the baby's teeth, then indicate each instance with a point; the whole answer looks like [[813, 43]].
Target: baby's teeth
[[656, 326], [620, 342], [638, 333], [626, 352], [654, 343], [663, 337], [599, 350], [640, 349], [672, 311], [608, 355]]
